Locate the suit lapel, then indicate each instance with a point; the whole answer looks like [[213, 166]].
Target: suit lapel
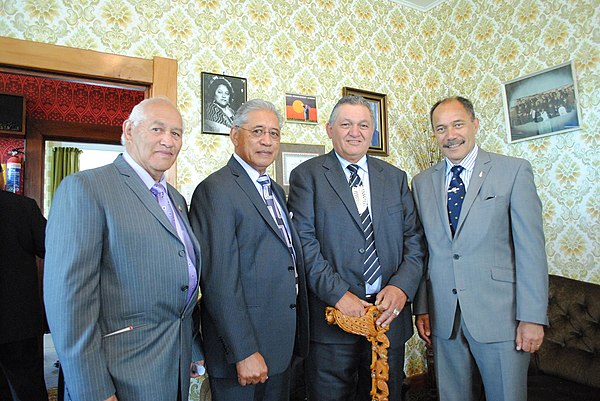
[[246, 184], [181, 209], [480, 172], [135, 183], [337, 179], [377, 189], [438, 183]]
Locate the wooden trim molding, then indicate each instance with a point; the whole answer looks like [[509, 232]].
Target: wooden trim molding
[[158, 74]]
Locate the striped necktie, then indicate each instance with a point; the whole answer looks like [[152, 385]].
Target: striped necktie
[[371, 266], [267, 195]]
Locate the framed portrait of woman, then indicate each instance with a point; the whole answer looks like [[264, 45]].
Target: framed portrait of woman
[[222, 95]]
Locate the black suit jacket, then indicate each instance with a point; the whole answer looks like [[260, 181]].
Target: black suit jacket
[[249, 299], [22, 229], [333, 240]]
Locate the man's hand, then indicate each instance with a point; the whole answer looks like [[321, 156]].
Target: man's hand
[[193, 371], [351, 305], [529, 336], [424, 327], [112, 398], [252, 370], [390, 302]]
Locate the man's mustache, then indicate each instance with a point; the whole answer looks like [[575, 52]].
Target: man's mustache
[[453, 142]]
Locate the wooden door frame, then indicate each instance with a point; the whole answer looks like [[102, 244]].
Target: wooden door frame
[[159, 75]]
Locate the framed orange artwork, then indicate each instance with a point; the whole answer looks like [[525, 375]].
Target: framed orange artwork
[[300, 108]]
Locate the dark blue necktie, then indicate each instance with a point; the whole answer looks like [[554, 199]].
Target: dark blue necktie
[[371, 265], [456, 195]]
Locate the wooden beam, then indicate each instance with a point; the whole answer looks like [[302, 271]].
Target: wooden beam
[[80, 62]]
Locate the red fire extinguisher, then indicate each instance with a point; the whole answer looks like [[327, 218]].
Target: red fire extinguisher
[[14, 173]]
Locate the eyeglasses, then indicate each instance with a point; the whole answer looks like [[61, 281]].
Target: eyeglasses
[[259, 132]]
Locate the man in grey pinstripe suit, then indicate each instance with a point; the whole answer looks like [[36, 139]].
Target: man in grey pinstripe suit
[[121, 274]]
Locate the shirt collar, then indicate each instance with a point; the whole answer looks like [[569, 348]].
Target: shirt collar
[[362, 163], [251, 171], [468, 162], [142, 173]]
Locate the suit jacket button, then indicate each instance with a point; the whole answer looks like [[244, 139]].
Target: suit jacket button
[[454, 290], [291, 268], [182, 253], [293, 306], [456, 256], [361, 250], [184, 288]]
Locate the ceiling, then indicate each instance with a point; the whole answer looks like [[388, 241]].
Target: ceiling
[[421, 5]]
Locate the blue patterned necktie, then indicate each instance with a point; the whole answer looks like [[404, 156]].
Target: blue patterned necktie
[[371, 265], [456, 195]]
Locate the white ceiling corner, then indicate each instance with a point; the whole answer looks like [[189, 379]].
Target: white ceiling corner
[[421, 5]]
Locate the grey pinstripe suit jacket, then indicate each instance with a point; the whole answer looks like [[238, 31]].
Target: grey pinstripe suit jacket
[[113, 260]]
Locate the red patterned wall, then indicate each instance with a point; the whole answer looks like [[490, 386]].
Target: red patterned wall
[[56, 100]]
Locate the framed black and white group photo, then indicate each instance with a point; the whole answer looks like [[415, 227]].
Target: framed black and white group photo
[[541, 104]]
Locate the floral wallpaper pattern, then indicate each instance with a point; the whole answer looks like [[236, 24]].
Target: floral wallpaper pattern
[[466, 47]]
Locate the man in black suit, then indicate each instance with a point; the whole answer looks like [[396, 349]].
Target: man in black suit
[[333, 198], [254, 312], [22, 229]]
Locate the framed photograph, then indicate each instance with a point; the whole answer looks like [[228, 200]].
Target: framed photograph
[[378, 104], [541, 104], [222, 95], [300, 108], [290, 156]]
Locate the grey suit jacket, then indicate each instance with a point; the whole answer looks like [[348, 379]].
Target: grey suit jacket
[[495, 266], [114, 261], [333, 241], [250, 303]]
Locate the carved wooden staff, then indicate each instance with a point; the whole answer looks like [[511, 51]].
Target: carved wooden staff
[[366, 326]]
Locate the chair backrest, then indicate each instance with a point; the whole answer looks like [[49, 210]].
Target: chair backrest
[[571, 349]]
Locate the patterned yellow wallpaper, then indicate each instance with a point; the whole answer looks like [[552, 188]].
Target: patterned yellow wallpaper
[[466, 47]]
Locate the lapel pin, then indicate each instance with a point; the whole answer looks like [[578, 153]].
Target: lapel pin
[[480, 174], [179, 208]]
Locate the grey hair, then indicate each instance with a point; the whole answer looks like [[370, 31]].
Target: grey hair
[[241, 115], [138, 113], [350, 99]]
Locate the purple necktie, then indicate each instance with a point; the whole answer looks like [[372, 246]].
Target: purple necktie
[[160, 193]]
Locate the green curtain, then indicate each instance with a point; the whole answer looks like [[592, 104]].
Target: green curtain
[[65, 161]]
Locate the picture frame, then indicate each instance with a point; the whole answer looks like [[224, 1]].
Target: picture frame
[[300, 108], [378, 104], [542, 104], [289, 157], [222, 95]]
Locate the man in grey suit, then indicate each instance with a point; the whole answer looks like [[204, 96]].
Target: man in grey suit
[[485, 292], [256, 311], [340, 201], [122, 263]]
